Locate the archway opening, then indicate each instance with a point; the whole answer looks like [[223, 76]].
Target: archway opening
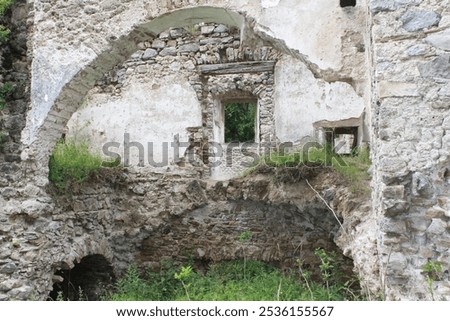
[[86, 281]]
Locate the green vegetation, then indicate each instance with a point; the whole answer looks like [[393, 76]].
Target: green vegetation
[[72, 162], [4, 32], [4, 5], [353, 168], [4, 91], [226, 281], [240, 122], [432, 271], [356, 169]]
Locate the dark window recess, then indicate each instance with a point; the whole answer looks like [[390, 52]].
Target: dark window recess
[[348, 3], [332, 133], [240, 121]]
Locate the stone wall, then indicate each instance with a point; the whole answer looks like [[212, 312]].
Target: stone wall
[[410, 143], [127, 217], [15, 70]]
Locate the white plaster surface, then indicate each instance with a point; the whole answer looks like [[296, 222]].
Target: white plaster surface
[[71, 45], [301, 100], [148, 112]]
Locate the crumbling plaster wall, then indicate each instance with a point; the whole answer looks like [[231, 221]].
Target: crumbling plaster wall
[[93, 37]]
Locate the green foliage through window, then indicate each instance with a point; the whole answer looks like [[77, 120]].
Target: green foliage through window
[[240, 122]]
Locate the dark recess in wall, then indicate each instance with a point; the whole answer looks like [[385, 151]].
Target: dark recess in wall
[[85, 281], [348, 3]]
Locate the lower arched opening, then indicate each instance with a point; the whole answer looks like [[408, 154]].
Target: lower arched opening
[[86, 281]]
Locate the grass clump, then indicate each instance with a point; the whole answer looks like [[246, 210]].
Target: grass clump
[[72, 162], [353, 168], [226, 281], [356, 169]]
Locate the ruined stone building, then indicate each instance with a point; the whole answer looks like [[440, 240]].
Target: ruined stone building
[[149, 81]]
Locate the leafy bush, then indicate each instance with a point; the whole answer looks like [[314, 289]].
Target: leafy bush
[[72, 162]]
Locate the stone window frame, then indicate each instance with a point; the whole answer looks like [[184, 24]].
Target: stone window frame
[[234, 87], [253, 86]]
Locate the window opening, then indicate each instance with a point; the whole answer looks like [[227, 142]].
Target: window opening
[[348, 3]]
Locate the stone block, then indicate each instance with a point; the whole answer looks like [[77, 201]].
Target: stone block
[[436, 212], [436, 68], [206, 30], [22, 293], [169, 51], [397, 262], [158, 44], [149, 53], [190, 47], [421, 185], [394, 192], [419, 20], [440, 40], [418, 224], [221, 29], [176, 33], [393, 207], [8, 268], [390, 5], [437, 226], [397, 89], [164, 35]]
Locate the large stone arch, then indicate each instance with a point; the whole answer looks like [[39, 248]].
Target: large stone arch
[[42, 132], [73, 93]]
